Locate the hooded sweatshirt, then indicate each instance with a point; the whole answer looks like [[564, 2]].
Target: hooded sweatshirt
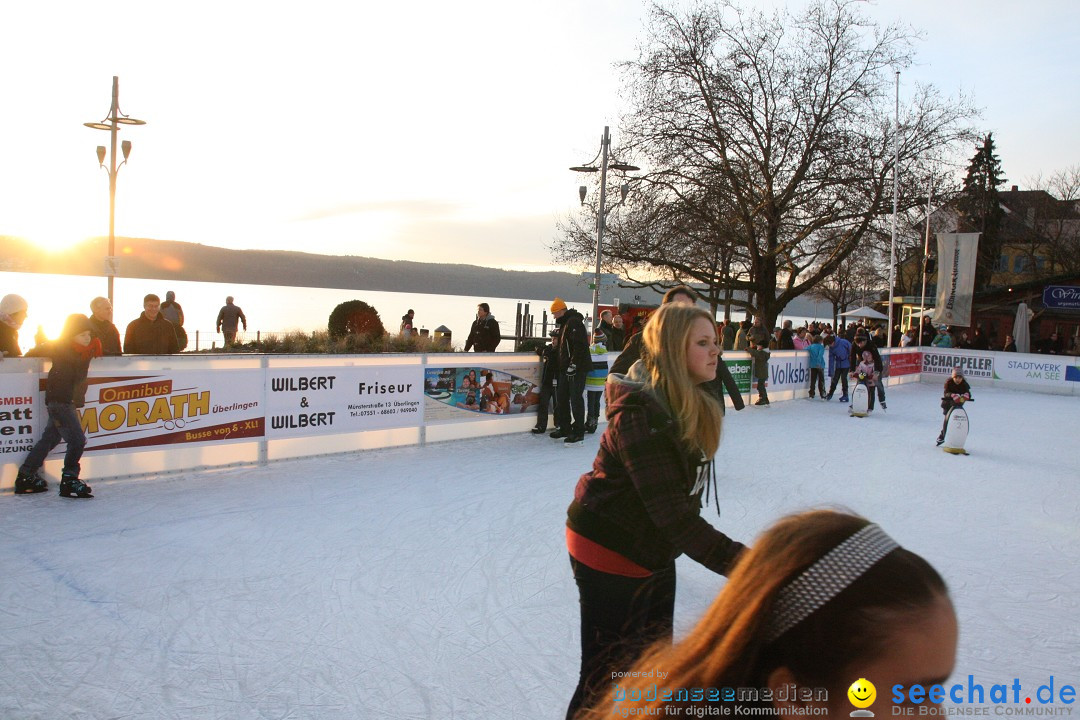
[[642, 499]]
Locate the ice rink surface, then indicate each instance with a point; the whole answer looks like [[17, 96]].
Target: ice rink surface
[[433, 582]]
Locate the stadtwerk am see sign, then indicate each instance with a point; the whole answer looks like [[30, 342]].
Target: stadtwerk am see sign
[[1061, 297]]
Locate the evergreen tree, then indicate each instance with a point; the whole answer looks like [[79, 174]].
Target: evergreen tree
[[980, 208]]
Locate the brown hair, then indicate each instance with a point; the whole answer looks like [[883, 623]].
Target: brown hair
[[729, 649], [664, 353]]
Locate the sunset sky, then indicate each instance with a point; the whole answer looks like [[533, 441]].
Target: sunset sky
[[425, 131]]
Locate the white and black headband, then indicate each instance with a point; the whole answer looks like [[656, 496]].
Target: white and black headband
[[824, 580]]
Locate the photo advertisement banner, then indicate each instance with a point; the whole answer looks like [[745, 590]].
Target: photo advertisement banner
[[956, 277], [480, 392]]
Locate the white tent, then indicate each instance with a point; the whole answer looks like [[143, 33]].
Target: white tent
[[865, 312], [928, 312], [1022, 328]]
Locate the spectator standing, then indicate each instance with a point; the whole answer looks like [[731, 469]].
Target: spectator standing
[[817, 367], [65, 390], [801, 339], [175, 314], [757, 334], [617, 339], [786, 340], [605, 325], [574, 360], [980, 341], [1052, 345], [150, 333], [229, 318], [908, 338], [484, 335], [102, 328], [1010, 344], [13, 309], [406, 328], [728, 335], [741, 334], [639, 507], [943, 339], [839, 363]]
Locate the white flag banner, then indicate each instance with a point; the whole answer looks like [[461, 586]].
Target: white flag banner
[[956, 277]]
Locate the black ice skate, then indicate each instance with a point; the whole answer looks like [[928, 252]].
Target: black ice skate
[[26, 483], [71, 486], [591, 425]]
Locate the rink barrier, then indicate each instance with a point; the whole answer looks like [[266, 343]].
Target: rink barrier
[[252, 409]]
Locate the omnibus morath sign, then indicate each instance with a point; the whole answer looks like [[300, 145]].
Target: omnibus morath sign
[[1061, 297]]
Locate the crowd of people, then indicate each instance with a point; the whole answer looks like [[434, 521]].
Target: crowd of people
[[158, 330]]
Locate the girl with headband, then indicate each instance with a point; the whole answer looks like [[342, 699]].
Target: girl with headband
[[823, 601]]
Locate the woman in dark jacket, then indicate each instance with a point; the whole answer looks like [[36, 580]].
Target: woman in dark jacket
[[639, 507]]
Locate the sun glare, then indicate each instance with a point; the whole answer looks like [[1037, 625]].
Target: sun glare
[[54, 241]]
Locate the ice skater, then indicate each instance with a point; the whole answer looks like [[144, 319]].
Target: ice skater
[[864, 374], [595, 380], [65, 390], [957, 392], [839, 351], [822, 595], [639, 507]]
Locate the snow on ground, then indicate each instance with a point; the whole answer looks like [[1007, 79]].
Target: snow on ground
[[433, 582]]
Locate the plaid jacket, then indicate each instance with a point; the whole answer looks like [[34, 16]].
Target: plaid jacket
[[642, 497]]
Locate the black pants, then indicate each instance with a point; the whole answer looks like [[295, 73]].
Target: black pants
[[593, 397], [63, 424], [841, 375], [620, 618], [547, 395], [570, 400], [817, 378]]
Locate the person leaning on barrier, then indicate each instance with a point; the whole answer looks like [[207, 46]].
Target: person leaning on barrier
[[150, 333], [484, 334], [101, 326], [822, 599], [13, 309]]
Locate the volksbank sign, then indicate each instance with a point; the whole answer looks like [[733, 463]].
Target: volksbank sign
[[789, 374], [1061, 297]]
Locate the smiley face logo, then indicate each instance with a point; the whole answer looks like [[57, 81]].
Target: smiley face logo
[[862, 693]]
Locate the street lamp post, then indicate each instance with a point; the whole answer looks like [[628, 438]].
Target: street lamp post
[[112, 124], [601, 216]]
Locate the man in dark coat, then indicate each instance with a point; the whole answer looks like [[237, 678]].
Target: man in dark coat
[[484, 334], [573, 361], [101, 326], [150, 333]]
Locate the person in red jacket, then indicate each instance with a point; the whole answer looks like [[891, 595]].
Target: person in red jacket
[[65, 390], [639, 508]]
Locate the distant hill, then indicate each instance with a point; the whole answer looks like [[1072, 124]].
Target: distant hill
[[175, 260]]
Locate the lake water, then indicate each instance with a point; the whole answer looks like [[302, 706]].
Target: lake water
[[269, 308]]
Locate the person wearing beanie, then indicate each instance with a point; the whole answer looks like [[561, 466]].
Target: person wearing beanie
[[12, 314], [65, 390], [102, 326], [573, 361], [595, 380], [484, 334]]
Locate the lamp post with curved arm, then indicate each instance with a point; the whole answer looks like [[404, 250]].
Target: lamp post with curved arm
[[601, 215], [112, 123]]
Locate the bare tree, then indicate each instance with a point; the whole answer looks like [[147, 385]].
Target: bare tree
[[1055, 223], [770, 143]]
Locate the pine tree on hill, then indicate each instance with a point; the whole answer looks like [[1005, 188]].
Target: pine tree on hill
[[980, 208]]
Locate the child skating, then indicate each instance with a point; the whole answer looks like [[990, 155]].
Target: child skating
[[957, 392], [864, 375], [65, 390]]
